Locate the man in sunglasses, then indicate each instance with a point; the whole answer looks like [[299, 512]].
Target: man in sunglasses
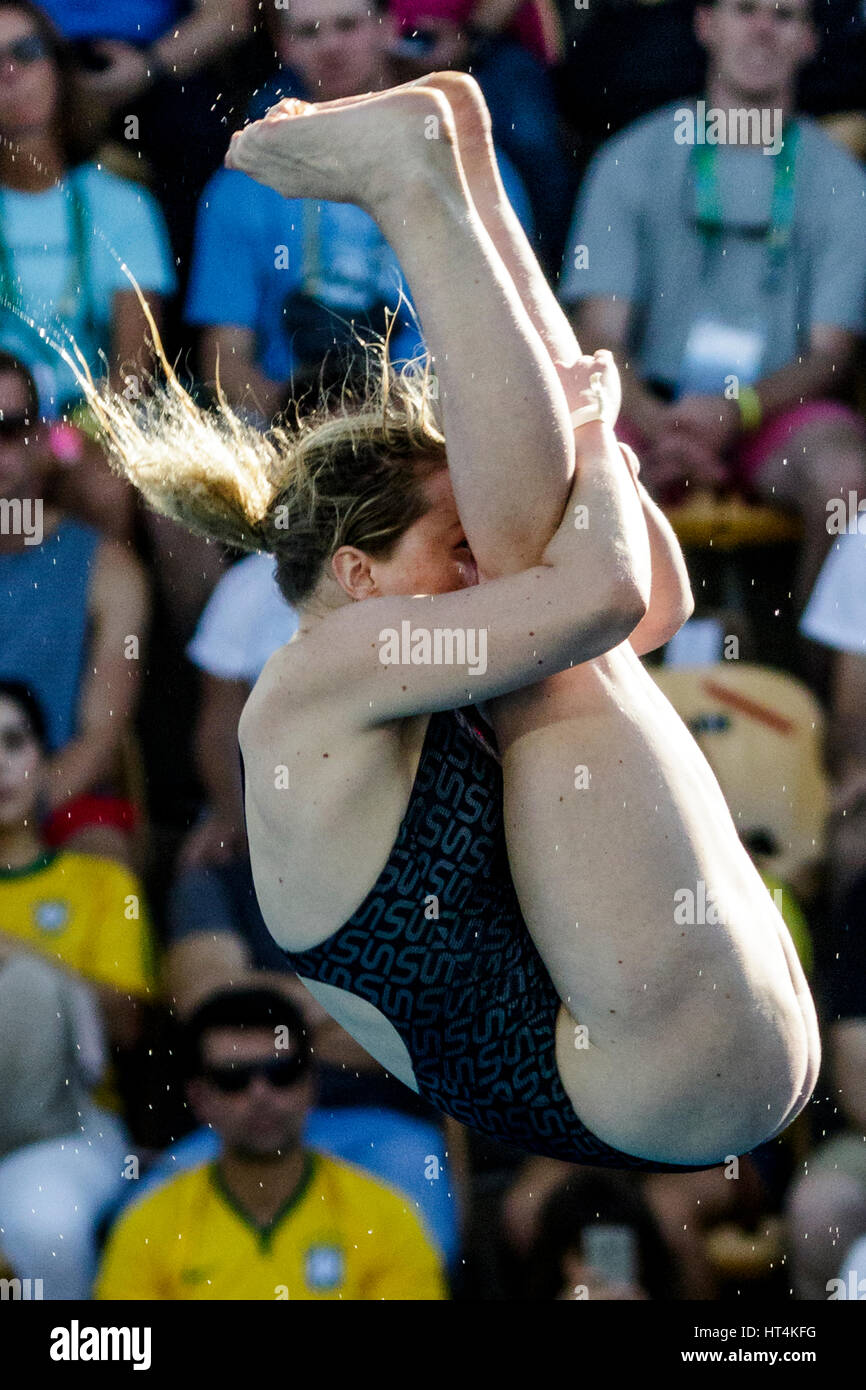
[[269, 1218]]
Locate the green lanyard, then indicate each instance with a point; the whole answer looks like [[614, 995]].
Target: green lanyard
[[709, 210], [77, 292], [311, 269]]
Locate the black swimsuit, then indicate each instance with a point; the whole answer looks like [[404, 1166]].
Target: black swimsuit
[[440, 947]]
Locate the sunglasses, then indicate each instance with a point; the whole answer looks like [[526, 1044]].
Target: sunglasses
[[29, 49], [14, 426], [784, 14], [280, 1071]]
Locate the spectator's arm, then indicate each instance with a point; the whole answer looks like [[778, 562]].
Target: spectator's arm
[[118, 609], [124, 1015], [202, 964], [677, 1206], [230, 282], [188, 568], [232, 350], [836, 305], [670, 451], [460, 1169], [820, 372], [120, 963], [90, 490], [129, 331], [848, 1045], [846, 735], [141, 238], [216, 743], [523, 1201], [338, 1049], [602, 284], [210, 30], [221, 836]]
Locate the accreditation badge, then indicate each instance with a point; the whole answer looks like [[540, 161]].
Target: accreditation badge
[[716, 351]]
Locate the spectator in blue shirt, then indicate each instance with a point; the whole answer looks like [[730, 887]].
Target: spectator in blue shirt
[[276, 282], [67, 227]]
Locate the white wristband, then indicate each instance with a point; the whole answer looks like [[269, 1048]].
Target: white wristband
[[596, 411]]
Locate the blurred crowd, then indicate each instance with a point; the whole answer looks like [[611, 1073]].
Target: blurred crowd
[[155, 1140]]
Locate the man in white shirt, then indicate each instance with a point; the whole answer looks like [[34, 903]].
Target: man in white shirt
[[835, 616], [245, 620]]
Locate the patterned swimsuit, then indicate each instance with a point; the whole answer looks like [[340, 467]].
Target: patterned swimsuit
[[440, 947]]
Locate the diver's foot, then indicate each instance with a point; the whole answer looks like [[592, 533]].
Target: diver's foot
[[471, 121], [362, 151], [474, 130]]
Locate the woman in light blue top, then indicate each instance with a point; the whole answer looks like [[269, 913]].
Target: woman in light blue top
[[66, 224]]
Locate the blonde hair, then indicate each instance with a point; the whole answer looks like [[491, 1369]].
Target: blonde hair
[[349, 472]]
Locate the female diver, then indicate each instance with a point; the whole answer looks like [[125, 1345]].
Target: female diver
[[503, 928]]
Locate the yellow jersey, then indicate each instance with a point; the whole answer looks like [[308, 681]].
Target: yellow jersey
[[792, 915], [84, 912], [342, 1235]]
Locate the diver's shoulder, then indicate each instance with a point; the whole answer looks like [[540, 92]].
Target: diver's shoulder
[[301, 682]]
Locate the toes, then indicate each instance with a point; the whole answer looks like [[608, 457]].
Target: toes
[[460, 86], [242, 146], [230, 161], [289, 106]]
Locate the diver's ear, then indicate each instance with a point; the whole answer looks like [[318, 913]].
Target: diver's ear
[[352, 569]]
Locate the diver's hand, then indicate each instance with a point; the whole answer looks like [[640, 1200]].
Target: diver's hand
[[593, 389]]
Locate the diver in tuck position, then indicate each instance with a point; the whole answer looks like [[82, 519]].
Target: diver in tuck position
[[490, 912]]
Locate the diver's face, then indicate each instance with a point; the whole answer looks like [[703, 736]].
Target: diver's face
[[432, 556], [256, 1116]]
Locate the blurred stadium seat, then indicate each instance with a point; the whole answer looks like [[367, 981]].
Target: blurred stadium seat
[[729, 522], [762, 733]]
